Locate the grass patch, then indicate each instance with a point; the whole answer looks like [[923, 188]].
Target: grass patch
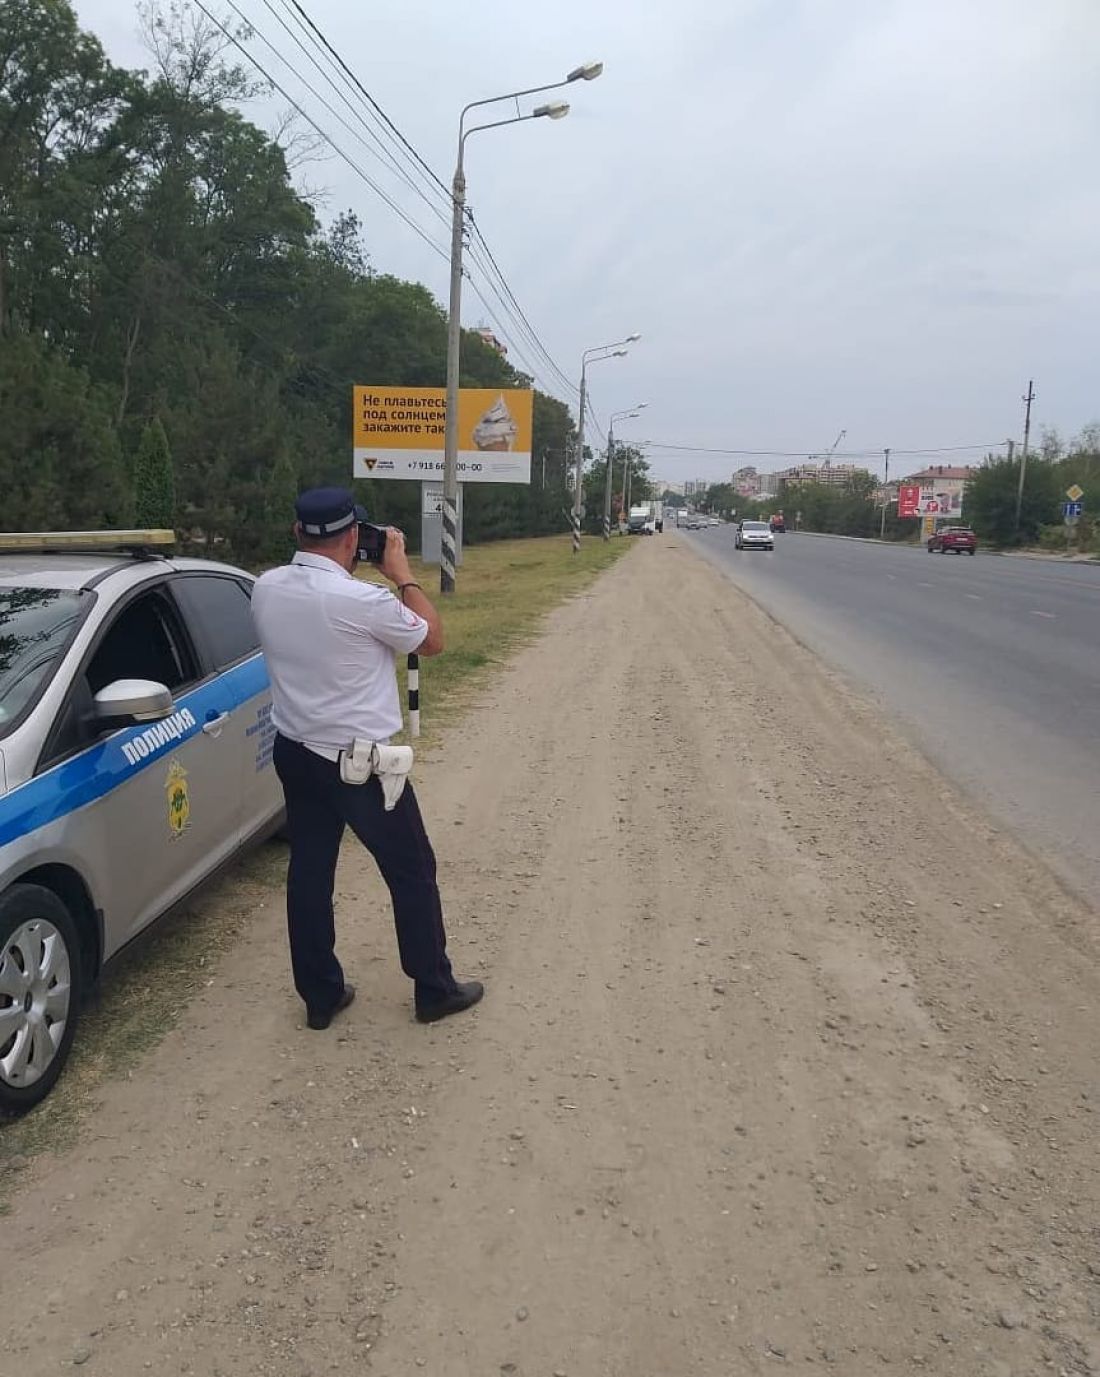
[[504, 590]]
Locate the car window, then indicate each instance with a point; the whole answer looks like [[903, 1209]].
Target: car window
[[145, 640], [219, 611], [36, 625]]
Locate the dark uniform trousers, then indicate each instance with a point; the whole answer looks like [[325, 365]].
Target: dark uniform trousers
[[319, 805]]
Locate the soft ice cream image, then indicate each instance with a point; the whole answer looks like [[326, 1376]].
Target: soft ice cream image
[[496, 430]]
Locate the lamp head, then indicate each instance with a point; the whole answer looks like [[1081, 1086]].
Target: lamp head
[[556, 110], [632, 339], [588, 71]]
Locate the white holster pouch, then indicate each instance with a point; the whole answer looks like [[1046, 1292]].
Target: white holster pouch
[[356, 765], [390, 763]]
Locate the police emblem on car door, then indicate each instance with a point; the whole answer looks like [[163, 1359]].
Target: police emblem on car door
[[179, 800]]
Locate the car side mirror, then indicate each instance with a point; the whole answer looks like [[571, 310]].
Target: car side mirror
[[138, 700]]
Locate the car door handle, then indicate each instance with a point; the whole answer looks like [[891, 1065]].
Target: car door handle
[[213, 725]]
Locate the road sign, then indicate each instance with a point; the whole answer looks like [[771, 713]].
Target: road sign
[[431, 523], [1075, 493], [1072, 510]]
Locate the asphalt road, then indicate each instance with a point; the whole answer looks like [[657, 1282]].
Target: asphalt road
[[992, 665]]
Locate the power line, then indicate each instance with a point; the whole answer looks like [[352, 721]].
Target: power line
[[521, 326], [382, 152], [519, 317], [370, 99], [808, 454], [326, 71], [534, 373], [412, 224], [519, 309], [517, 332]]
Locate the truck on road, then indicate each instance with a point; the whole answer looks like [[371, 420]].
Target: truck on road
[[636, 521], [646, 519]]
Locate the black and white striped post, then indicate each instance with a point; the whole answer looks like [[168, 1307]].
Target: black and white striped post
[[578, 472], [414, 694], [447, 546]]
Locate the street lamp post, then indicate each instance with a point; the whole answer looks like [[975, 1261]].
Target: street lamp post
[[555, 110], [594, 355], [615, 416], [628, 472]]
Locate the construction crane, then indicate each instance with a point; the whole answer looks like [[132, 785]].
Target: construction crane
[[830, 452]]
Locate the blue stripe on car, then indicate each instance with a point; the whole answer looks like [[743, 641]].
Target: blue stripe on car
[[93, 773]]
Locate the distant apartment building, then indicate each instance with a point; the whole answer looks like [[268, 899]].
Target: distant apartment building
[[695, 487], [833, 475], [491, 340]]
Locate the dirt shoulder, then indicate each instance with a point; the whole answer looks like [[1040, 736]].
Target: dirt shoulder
[[788, 1058]]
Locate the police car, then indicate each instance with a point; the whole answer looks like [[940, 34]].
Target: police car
[[135, 759]]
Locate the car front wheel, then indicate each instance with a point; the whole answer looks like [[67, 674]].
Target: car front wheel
[[40, 987]]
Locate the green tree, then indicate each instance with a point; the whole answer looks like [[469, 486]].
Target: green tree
[[154, 481], [60, 460], [156, 261], [281, 491], [991, 500]]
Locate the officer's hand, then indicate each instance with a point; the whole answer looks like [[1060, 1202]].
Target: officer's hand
[[395, 562]]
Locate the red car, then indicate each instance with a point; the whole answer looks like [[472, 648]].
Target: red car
[[959, 540]]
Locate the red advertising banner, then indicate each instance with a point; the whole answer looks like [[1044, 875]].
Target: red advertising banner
[[909, 499]]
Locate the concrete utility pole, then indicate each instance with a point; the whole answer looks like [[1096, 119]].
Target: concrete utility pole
[[885, 496], [578, 481], [1029, 398]]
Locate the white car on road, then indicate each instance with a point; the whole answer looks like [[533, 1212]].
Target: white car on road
[[754, 535]]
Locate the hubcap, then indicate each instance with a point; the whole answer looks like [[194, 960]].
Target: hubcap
[[35, 992]]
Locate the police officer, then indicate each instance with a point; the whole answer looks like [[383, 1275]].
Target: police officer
[[330, 641]]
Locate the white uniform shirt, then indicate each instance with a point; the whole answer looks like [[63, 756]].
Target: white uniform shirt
[[330, 642]]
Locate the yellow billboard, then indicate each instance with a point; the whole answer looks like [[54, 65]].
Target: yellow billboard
[[397, 432]]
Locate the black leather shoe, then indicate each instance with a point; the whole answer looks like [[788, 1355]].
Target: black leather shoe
[[321, 1021], [464, 997]]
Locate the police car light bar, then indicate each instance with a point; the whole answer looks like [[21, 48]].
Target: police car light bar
[[73, 542]]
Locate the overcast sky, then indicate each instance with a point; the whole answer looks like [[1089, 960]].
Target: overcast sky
[[877, 216]]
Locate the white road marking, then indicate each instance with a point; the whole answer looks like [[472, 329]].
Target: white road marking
[[1051, 615], [926, 585], [977, 597]]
